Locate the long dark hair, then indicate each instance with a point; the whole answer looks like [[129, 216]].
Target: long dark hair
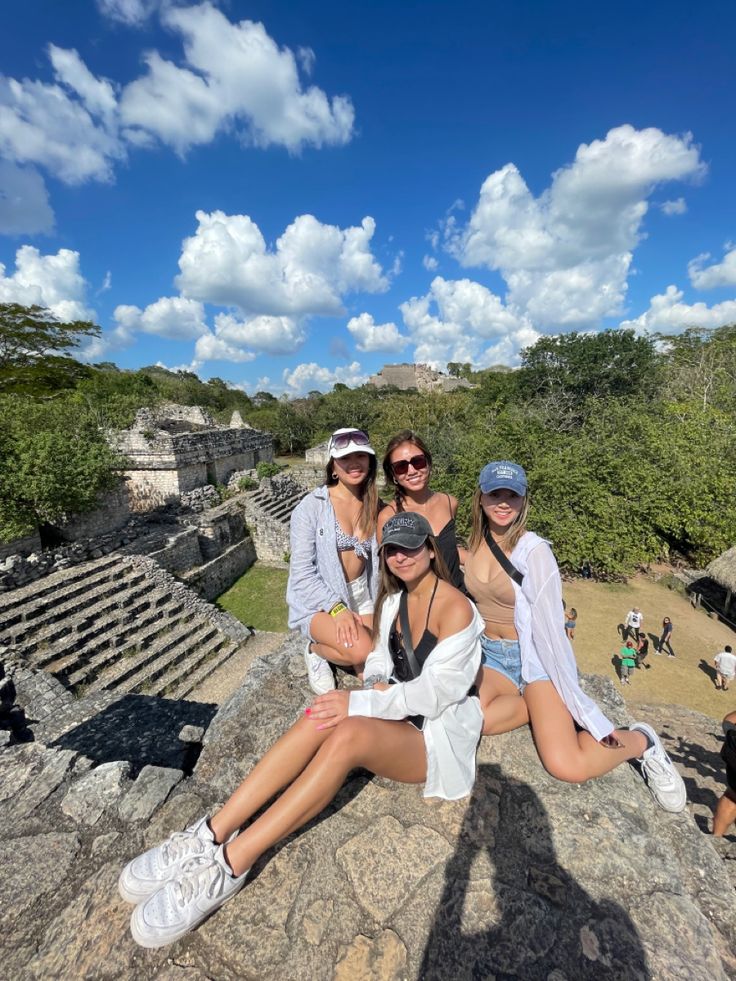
[[389, 583], [404, 436], [368, 494]]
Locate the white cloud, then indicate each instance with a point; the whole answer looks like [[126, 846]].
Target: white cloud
[[227, 262], [24, 201], [52, 281], [234, 77], [719, 274], [565, 256], [130, 12], [667, 314], [68, 128], [370, 336], [174, 317], [307, 377], [676, 207], [272, 335], [430, 263], [212, 348], [455, 321]]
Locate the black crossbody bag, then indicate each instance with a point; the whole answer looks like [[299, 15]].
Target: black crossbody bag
[[503, 560]]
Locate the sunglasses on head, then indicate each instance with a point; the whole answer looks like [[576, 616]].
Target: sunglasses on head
[[356, 436], [419, 462]]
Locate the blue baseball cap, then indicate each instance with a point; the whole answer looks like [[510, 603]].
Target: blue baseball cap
[[502, 474]]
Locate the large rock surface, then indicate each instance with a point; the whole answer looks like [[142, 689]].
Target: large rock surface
[[528, 878]]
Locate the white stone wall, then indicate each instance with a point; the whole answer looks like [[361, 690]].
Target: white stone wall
[[149, 489]]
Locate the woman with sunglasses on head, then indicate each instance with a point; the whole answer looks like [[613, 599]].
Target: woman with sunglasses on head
[[414, 721], [333, 569], [528, 670], [407, 466]]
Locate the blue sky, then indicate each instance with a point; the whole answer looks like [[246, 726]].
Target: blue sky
[[286, 196]]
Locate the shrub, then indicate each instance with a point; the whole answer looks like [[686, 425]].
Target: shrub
[[264, 469]]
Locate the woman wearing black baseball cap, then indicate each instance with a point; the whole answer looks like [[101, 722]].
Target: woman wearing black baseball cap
[[529, 672], [415, 721]]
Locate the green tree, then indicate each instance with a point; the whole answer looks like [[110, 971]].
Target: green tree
[[54, 462], [33, 350]]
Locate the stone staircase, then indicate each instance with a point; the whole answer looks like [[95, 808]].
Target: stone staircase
[[268, 512], [278, 509], [118, 623]]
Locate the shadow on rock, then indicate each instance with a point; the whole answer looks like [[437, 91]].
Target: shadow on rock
[[532, 918], [141, 729]]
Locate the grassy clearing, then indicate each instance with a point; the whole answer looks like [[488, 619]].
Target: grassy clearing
[[258, 599]]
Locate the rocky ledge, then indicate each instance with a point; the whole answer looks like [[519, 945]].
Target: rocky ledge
[[527, 878]]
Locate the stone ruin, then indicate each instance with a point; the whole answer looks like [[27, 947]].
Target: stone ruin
[[420, 376]]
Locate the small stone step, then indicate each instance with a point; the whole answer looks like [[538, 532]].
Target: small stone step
[[133, 673], [81, 669], [190, 673]]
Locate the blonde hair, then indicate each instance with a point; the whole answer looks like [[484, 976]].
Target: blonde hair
[[479, 525], [390, 584], [368, 495]]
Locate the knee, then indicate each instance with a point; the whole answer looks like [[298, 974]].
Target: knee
[[347, 741], [562, 767]]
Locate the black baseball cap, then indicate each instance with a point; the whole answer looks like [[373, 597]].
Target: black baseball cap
[[406, 529]]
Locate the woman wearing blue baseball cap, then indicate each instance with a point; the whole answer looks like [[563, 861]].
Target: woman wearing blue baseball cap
[[528, 671]]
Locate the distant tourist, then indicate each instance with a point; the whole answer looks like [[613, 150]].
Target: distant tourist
[[725, 663], [632, 624], [529, 674], [333, 570], [725, 812], [407, 466], [571, 619], [664, 640], [642, 650], [424, 728], [627, 655]]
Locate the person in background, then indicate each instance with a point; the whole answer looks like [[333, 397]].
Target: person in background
[[642, 650], [529, 674], [725, 663], [571, 618], [407, 467], [333, 570], [664, 640], [632, 624], [628, 661]]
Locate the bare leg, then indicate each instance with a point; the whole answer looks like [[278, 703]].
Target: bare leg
[[284, 761], [503, 707], [322, 630], [390, 749], [565, 753], [725, 814]]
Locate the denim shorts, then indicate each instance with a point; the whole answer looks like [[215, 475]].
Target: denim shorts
[[504, 656]]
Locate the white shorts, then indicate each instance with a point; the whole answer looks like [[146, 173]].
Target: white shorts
[[359, 597]]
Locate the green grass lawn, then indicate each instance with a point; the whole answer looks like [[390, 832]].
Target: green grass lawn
[[258, 599]]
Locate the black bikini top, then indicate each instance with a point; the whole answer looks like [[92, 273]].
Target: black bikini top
[[427, 643]]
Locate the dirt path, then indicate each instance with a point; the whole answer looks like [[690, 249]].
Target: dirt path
[[229, 676], [695, 639]]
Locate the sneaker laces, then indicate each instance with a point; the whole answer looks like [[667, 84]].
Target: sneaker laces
[[199, 875], [179, 845], [657, 767]]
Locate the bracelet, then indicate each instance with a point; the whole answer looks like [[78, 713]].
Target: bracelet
[[337, 609], [374, 679]]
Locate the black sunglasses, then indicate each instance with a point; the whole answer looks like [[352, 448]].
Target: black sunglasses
[[401, 467], [356, 436]]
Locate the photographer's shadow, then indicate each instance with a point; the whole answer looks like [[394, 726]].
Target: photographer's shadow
[[535, 918]]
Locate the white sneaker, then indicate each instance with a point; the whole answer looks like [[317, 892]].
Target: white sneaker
[[319, 673], [203, 884], [151, 870], [664, 782]]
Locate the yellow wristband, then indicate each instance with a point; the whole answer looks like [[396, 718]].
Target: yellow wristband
[[337, 609]]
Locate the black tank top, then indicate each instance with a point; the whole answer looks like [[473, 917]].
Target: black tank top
[[427, 643]]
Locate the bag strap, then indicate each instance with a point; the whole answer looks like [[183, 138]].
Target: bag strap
[[415, 666], [503, 560]]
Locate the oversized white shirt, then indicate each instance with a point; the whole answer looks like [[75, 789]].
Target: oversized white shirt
[[545, 650], [453, 718]]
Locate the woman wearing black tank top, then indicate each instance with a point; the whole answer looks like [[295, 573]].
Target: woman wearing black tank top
[[407, 465], [178, 884]]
